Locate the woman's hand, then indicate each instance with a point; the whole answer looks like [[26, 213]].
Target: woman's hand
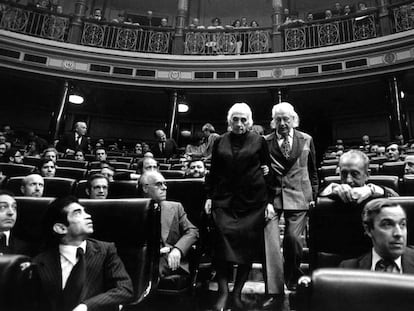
[[207, 207]]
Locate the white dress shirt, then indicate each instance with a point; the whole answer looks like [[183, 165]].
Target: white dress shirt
[[7, 234], [68, 259], [376, 258]]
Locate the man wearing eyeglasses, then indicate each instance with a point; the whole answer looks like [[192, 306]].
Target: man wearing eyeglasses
[[178, 234]]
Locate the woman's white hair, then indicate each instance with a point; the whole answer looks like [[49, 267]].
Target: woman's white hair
[[240, 108], [284, 107]]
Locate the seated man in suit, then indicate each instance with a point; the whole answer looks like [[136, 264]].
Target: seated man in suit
[[145, 164], [409, 164], [32, 186], [75, 140], [9, 244], [47, 168], [178, 234], [354, 171], [97, 187], [392, 153], [100, 154], [164, 148], [385, 223], [196, 169], [76, 272]]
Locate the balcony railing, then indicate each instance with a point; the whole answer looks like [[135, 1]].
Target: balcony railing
[[403, 16], [227, 41], [34, 22], [330, 32], [127, 37]]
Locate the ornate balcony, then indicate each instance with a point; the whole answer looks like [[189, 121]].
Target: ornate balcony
[[227, 41]]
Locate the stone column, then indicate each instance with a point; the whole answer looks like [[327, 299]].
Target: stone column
[[277, 45], [75, 31], [398, 115], [59, 117], [178, 44], [384, 19]]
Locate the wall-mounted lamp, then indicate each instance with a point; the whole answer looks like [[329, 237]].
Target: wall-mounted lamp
[[183, 107], [76, 99], [402, 95]]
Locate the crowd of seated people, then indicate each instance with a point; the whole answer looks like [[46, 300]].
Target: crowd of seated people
[[391, 159]]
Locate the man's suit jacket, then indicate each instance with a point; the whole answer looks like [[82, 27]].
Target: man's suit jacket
[[170, 149], [296, 179], [107, 283], [68, 142], [364, 262], [17, 246], [176, 230]]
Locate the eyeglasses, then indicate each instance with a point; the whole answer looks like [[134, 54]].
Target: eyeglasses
[[158, 184]]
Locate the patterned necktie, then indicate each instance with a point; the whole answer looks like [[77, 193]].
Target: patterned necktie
[[385, 266], [285, 147], [74, 284]]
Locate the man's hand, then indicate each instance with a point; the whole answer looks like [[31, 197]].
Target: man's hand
[[360, 194], [81, 307], [344, 192], [70, 152], [269, 212], [265, 169], [174, 258], [207, 207]]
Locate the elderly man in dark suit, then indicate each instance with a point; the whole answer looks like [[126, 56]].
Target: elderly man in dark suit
[[75, 140], [76, 272], [9, 244], [385, 222], [178, 234], [164, 148], [293, 166]]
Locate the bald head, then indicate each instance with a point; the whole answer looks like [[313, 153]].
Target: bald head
[[409, 164], [32, 186]]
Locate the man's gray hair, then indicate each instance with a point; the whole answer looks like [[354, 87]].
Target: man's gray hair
[[352, 154], [285, 107]]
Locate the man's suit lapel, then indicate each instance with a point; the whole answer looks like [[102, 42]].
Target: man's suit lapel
[[91, 259], [407, 261], [167, 216], [51, 273], [365, 262]]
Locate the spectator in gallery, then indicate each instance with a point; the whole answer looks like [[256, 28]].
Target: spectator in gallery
[[15, 156], [32, 186], [347, 9], [50, 154], [309, 17], [47, 168], [328, 14], [392, 153], [79, 155], [97, 187], [97, 15]]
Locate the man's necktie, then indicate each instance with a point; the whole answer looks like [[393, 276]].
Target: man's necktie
[[74, 284], [285, 147], [385, 266], [79, 140], [3, 243]]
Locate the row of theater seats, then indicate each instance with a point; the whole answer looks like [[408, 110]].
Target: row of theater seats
[[336, 233], [386, 168], [133, 224], [13, 170]]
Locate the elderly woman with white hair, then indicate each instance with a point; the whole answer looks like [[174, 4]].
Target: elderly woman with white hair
[[237, 195]]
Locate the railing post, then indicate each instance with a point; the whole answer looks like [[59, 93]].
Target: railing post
[[277, 45], [384, 19], [62, 106], [398, 116], [75, 31], [178, 44], [174, 102]]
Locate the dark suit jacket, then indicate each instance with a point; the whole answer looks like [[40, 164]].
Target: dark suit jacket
[[176, 230], [237, 180], [68, 142], [296, 178], [17, 246], [364, 262], [107, 283], [170, 149]]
